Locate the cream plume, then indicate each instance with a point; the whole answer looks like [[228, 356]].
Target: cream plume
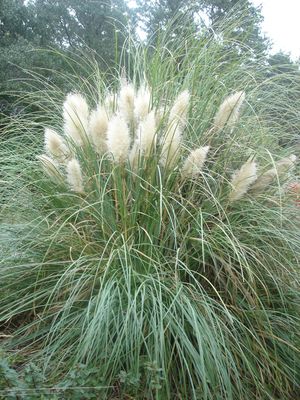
[[177, 120], [229, 111], [193, 165], [142, 103], [118, 139], [242, 179], [171, 144], [55, 145], [146, 135], [265, 179], [76, 115], [126, 102], [178, 113], [145, 141], [50, 167], [74, 176], [98, 125]]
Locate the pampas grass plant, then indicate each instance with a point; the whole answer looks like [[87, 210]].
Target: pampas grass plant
[[154, 259]]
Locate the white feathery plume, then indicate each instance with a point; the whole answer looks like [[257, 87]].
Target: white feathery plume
[[74, 176], [142, 103], [242, 179], [76, 115], [98, 125], [126, 102], [193, 165], [265, 179], [55, 145], [178, 113], [118, 139], [147, 133], [145, 140], [177, 120], [229, 111], [171, 144], [50, 167]]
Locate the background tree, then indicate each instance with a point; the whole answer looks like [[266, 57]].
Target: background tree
[[244, 17], [16, 40], [72, 25], [96, 24], [176, 15], [247, 26]]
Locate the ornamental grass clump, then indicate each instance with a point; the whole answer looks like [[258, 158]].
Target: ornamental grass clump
[[157, 248]]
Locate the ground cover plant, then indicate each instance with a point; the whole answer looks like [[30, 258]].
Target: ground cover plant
[[153, 239]]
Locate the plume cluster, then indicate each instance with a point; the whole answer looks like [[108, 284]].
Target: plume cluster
[[279, 169], [145, 140], [127, 128], [242, 180], [171, 141], [98, 125], [126, 102], [178, 113], [74, 176], [76, 117], [55, 145], [229, 111], [194, 163], [118, 139]]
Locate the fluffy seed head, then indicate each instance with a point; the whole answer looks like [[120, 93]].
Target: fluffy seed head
[[142, 103], [76, 115], [118, 139], [178, 113], [281, 167], [242, 179], [145, 140], [74, 176], [126, 102], [193, 165], [98, 125], [229, 111], [146, 134], [55, 145]]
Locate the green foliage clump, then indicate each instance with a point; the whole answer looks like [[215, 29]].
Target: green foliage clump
[[27, 382], [165, 278]]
